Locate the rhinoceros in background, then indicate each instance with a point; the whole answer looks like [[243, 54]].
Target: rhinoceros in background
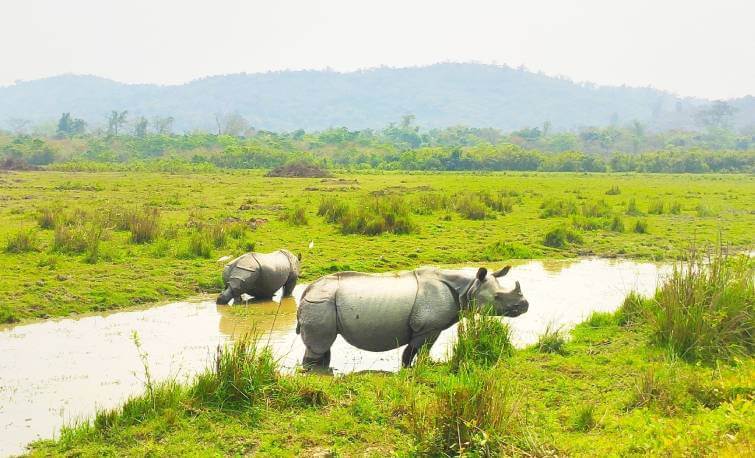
[[259, 275], [381, 312]]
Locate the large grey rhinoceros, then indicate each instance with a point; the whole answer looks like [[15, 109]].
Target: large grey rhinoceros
[[380, 312], [259, 275]]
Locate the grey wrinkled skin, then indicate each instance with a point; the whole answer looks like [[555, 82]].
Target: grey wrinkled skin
[[259, 275], [383, 312]]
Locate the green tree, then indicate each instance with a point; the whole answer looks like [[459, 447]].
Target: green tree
[[69, 126], [115, 120], [140, 127]]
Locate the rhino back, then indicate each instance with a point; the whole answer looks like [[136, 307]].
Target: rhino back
[[374, 310]]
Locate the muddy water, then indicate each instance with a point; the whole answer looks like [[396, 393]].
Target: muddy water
[[59, 371]]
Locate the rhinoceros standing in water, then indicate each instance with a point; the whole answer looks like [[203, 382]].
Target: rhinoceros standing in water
[[382, 312], [259, 275]]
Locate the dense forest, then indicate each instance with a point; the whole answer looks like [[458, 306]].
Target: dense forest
[[140, 144], [440, 96]]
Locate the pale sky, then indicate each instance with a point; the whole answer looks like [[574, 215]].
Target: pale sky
[[692, 48]]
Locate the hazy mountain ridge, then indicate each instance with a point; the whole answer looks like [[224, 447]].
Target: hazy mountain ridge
[[439, 95]]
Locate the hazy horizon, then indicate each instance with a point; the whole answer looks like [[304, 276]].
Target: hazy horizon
[[691, 49]]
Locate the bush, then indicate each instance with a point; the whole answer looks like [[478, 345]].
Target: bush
[[704, 309], [482, 340], [21, 242], [640, 226], [300, 168], [560, 237]]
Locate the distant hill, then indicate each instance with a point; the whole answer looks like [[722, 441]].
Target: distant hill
[[439, 95]]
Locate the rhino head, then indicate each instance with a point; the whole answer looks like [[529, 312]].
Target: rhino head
[[487, 292]]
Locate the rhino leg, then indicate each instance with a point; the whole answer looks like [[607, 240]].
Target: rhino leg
[[225, 297], [288, 287], [317, 325], [417, 343]]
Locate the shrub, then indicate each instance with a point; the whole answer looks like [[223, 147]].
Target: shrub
[[704, 309], [617, 224], [332, 209], [21, 242], [657, 207], [640, 226], [296, 216], [552, 341], [560, 237], [613, 191], [482, 340], [299, 168], [557, 207]]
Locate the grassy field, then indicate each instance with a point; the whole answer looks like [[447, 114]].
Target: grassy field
[[611, 389], [84, 242]]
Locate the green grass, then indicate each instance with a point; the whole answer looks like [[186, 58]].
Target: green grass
[[616, 392], [204, 216]]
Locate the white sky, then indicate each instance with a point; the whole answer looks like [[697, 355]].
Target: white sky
[[692, 47]]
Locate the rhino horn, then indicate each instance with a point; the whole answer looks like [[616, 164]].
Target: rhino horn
[[502, 272]]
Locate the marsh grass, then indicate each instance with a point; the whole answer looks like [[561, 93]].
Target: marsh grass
[[499, 251], [633, 310], [377, 215], [560, 237], [21, 241], [584, 419], [243, 374], [427, 203], [613, 191], [49, 217], [657, 207], [586, 223], [632, 208], [617, 224], [704, 308], [552, 341], [144, 224], [295, 216], [553, 207], [482, 340], [704, 211], [641, 226], [333, 209], [595, 209]]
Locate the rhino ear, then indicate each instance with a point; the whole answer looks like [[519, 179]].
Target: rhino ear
[[502, 272], [481, 273], [518, 287]]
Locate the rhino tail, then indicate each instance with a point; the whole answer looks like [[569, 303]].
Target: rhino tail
[[298, 328]]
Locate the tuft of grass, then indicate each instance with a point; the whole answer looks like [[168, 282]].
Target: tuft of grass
[[21, 241], [428, 203], [332, 209], [584, 419], [632, 208], [595, 209], [49, 217], [601, 320], [200, 245], [296, 216], [586, 223], [657, 207], [470, 206], [552, 341], [144, 224], [553, 207], [633, 310], [613, 191], [675, 208], [641, 226], [703, 210], [377, 215], [482, 340], [499, 251], [704, 309], [560, 237], [242, 375], [617, 224]]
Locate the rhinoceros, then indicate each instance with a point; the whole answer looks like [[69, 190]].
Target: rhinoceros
[[259, 275], [380, 312]]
